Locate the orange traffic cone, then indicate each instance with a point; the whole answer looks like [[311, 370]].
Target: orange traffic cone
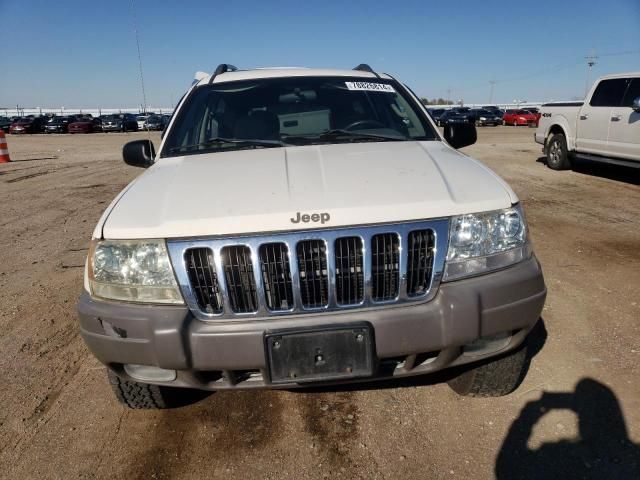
[[4, 150]]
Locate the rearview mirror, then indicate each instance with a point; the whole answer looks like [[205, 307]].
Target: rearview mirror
[[636, 105], [462, 135], [139, 153]]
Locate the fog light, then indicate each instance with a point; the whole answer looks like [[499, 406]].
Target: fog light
[[485, 345], [147, 373]]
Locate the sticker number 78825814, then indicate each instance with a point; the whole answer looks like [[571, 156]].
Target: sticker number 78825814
[[370, 87]]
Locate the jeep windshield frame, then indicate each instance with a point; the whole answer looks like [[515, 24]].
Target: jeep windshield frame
[[296, 111]]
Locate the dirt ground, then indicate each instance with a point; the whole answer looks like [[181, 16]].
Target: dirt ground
[[577, 413]]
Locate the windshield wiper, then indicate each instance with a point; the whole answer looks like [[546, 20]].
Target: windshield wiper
[[337, 133], [252, 142]]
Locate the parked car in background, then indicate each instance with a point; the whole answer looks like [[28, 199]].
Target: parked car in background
[[141, 120], [605, 128], [486, 117], [5, 124], [156, 122], [122, 122], [58, 124], [436, 113], [517, 117], [496, 110], [27, 125], [536, 112], [85, 125], [454, 116]]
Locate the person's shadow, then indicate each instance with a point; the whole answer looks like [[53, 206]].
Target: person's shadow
[[602, 451]]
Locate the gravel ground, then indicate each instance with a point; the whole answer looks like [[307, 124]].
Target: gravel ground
[[577, 413]]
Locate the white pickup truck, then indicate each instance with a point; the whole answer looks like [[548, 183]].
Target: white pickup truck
[[303, 226], [604, 128]]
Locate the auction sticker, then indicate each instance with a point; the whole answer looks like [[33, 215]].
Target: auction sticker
[[370, 87]]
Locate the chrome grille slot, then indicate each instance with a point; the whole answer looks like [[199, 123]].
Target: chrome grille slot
[[385, 266], [203, 278], [276, 276], [313, 273], [239, 278], [267, 275], [349, 271], [420, 262]]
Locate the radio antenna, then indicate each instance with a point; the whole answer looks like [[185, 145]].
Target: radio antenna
[[135, 29]]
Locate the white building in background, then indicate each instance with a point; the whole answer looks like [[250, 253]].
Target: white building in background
[[24, 111]]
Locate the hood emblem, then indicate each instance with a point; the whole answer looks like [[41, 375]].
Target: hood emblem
[[323, 217]]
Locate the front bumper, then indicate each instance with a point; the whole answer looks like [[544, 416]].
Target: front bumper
[[409, 340]]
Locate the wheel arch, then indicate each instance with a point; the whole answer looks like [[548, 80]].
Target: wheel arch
[[559, 124]]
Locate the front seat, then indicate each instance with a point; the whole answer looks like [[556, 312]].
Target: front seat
[[259, 124]]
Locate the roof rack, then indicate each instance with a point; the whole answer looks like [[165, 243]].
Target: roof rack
[[363, 67], [220, 69]]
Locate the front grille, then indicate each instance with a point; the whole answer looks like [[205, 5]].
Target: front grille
[[298, 272], [385, 266], [349, 271], [276, 276], [238, 274], [203, 279], [420, 262], [312, 268]]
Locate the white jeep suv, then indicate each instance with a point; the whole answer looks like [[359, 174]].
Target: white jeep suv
[[301, 227]]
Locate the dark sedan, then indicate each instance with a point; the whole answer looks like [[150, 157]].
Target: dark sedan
[[85, 125], [58, 124], [156, 122], [436, 113], [455, 117], [124, 122], [5, 124], [486, 117]]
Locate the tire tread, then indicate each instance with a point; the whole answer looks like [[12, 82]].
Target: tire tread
[[494, 379]]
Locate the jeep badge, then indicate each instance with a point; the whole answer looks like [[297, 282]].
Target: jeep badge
[[314, 217]]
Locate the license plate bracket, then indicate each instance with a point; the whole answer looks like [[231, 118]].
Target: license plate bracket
[[320, 354]]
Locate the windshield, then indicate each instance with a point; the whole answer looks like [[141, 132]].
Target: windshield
[[295, 111]]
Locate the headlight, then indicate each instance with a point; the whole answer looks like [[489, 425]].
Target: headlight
[[133, 271], [482, 242]]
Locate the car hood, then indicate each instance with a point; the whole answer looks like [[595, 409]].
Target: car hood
[[262, 190]]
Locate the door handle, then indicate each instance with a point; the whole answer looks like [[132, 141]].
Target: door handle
[[584, 117], [615, 118]]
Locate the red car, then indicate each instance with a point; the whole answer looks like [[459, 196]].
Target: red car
[[520, 117], [85, 125], [535, 112], [27, 125]]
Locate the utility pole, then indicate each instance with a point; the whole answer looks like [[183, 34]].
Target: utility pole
[[492, 83], [591, 61]]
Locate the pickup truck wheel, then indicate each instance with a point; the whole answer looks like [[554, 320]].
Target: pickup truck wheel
[[494, 379], [138, 395], [557, 155]]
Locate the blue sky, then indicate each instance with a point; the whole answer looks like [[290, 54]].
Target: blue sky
[[83, 53]]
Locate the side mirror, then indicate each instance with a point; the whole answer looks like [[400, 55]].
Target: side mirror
[[636, 105], [139, 153], [462, 135]]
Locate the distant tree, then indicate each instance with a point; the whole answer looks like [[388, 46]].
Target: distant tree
[[435, 101]]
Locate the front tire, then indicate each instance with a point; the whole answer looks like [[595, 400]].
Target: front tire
[[494, 379], [138, 395], [557, 153]]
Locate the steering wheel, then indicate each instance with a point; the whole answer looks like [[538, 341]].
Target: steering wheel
[[362, 123]]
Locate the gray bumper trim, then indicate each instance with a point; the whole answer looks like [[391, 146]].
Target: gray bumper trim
[[171, 337]]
